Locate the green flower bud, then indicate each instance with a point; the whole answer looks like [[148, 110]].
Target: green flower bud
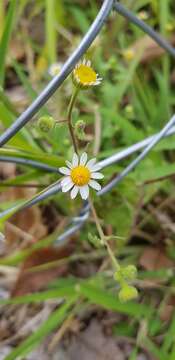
[[129, 272], [129, 111], [127, 293], [79, 129], [94, 240], [46, 123]]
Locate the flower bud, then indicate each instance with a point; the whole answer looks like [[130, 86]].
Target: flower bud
[[46, 123], [94, 240], [129, 272], [143, 15], [79, 129], [129, 110], [127, 293]]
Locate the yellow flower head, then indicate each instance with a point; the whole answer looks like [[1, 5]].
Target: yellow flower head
[[84, 76], [80, 175]]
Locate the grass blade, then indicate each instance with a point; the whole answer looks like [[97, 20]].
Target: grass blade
[[109, 301], [6, 39], [62, 292]]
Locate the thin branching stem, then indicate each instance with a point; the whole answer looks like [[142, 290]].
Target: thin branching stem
[[69, 119], [102, 236]]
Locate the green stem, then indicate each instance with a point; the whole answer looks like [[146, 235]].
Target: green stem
[[103, 238], [69, 119]]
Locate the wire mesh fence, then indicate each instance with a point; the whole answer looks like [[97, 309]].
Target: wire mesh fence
[[145, 145]]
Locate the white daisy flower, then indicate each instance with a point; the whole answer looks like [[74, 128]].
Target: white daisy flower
[[84, 76], [79, 175], [54, 69]]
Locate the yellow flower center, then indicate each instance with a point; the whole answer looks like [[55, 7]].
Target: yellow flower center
[[80, 175], [85, 74]]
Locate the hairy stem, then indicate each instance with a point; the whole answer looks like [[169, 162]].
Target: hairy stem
[[69, 119], [102, 236]]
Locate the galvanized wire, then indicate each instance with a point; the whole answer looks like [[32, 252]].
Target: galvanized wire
[[122, 10], [139, 158], [147, 144], [56, 82], [28, 162], [113, 159]]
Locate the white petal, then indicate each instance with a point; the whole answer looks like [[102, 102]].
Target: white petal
[[95, 185], [91, 163], [66, 181], [84, 191], [83, 159], [95, 168], [74, 192], [97, 175], [75, 160], [89, 63], [68, 163], [64, 170], [67, 187]]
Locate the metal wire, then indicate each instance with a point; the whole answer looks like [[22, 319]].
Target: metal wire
[[77, 222], [43, 195], [123, 154], [136, 161], [122, 10], [150, 142], [28, 162], [56, 82], [113, 159]]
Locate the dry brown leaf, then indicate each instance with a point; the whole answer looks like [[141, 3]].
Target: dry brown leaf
[[151, 50], [31, 280], [26, 226], [7, 170], [94, 344], [154, 259]]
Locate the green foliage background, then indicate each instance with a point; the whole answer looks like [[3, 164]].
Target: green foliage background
[[135, 100]]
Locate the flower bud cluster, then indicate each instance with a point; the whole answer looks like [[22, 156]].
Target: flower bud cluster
[[123, 276]]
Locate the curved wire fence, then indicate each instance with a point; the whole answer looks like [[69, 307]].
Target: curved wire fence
[[147, 144]]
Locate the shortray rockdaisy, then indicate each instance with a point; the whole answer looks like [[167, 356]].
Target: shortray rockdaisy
[[84, 76], [79, 175]]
